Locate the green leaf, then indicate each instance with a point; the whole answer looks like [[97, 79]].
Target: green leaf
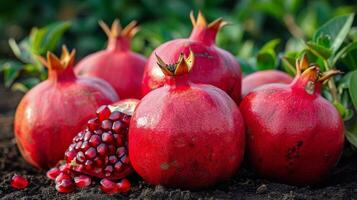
[[344, 112], [350, 56], [352, 88], [11, 71], [336, 29], [53, 35], [266, 58], [319, 50], [25, 85], [351, 135]]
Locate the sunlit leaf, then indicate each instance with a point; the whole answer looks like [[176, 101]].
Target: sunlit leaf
[[352, 88]]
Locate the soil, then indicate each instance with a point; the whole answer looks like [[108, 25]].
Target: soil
[[244, 185]]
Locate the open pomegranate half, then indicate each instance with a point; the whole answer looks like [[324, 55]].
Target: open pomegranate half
[[101, 149]]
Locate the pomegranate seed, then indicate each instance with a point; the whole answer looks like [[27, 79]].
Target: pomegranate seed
[[70, 155], [19, 182], [121, 151], [87, 135], [107, 137], [103, 112], [53, 173], [115, 115], [91, 153], [113, 159], [85, 146], [111, 149], [102, 149], [80, 157], [88, 164], [124, 185], [107, 125], [82, 181], [93, 124], [62, 176], [117, 126], [126, 119], [78, 145], [98, 132], [108, 186], [118, 166], [65, 186], [66, 167], [125, 159], [94, 140], [118, 139]]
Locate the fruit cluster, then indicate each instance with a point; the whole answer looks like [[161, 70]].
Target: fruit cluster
[[191, 126]]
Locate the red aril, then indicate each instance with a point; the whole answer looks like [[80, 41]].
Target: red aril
[[108, 186], [65, 186], [117, 64], [256, 79], [124, 185], [294, 135], [186, 135], [19, 182], [54, 111], [53, 173], [82, 181], [213, 65]]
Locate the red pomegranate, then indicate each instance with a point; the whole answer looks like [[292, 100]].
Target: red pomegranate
[[213, 65], [117, 64], [294, 135], [260, 78], [184, 134], [53, 112]]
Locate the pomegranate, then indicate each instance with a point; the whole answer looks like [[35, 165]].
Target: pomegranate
[[82, 181], [101, 149], [117, 64], [19, 182], [213, 65], [184, 134], [294, 135], [260, 78], [53, 112]]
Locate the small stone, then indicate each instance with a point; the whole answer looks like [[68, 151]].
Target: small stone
[[262, 189]]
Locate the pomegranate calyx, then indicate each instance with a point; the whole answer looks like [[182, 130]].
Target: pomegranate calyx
[[63, 62], [181, 67], [116, 29], [201, 22]]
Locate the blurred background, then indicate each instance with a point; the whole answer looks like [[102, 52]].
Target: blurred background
[[254, 22]]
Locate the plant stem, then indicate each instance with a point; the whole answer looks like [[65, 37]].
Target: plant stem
[[331, 83], [293, 28]]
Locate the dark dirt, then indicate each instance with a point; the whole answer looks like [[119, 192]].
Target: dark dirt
[[245, 185]]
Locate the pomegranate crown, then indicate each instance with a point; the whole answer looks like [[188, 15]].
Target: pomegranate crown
[[312, 74], [201, 22], [116, 29], [58, 63], [181, 67]]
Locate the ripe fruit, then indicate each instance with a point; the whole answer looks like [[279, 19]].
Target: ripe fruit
[[213, 65], [260, 78], [294, 135], [53, 112], [117, 64], [53, 173], [101, 149], [184, 134], [65, 186], [19, 182]]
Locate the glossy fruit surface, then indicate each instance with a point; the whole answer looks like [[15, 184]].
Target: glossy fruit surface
[[213, 65], [294, 135], [54, 111], [256, 79], [100, 150], [117, 64], [186, 135]]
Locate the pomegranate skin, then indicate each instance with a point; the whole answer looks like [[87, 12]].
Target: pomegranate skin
[[117, 64], [213, 65], [256, 79], [54, 111], [294, 136], [186, 135]]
